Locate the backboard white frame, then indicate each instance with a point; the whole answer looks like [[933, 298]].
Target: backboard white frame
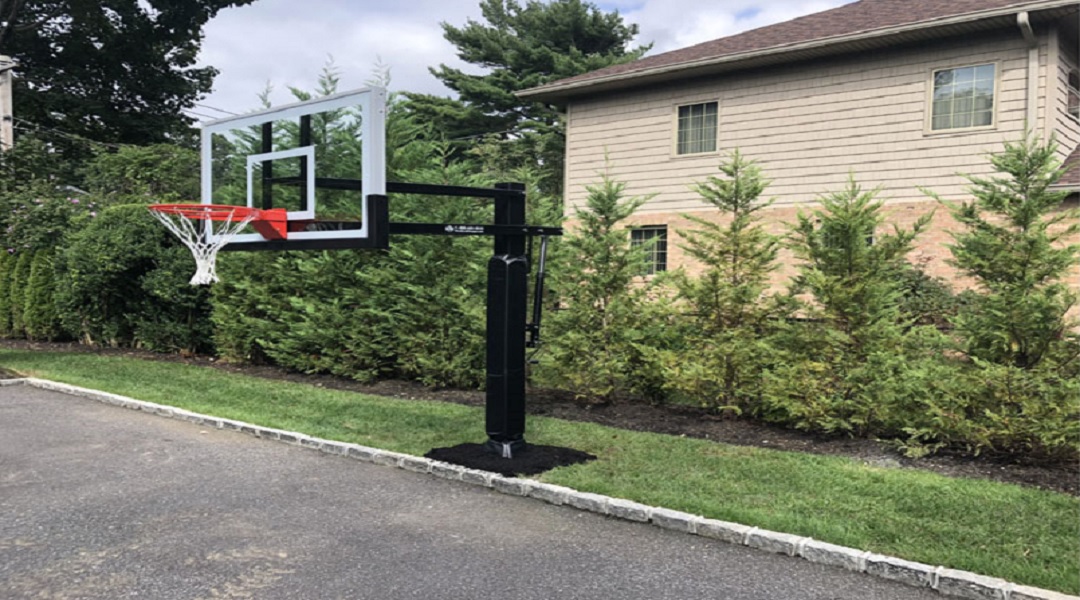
[[372, 104]]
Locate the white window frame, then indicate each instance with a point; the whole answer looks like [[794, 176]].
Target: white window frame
[[675, 129], [655, 253], [929, 120]]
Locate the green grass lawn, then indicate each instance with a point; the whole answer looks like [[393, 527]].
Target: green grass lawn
[[1024, 535]]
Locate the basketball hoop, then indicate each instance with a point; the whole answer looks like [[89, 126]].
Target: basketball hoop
[[218, 226]]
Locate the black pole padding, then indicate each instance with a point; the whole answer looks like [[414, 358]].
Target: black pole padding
[[506, 310], [378, 211], [505, 412]]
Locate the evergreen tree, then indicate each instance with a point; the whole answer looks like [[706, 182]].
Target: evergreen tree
[[594, 340], [42, 320], [728, 345], [116, 71], [7, 266], [853, 366], [1014, 244], [17, 292], [520, 47]]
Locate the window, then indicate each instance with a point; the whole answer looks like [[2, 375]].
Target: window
[[697, 128], [963, 98], [653, 238], [1074, 93]]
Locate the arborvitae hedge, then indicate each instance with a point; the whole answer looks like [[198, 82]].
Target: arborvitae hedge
[[39, 308], [7, 266], [17, 292]]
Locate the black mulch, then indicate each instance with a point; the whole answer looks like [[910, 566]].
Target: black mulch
[[533, 460]]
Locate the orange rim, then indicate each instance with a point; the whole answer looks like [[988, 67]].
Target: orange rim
[[212, 212]]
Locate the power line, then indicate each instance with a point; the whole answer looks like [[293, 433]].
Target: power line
[[71, 136], [220, 110], [198, 114]]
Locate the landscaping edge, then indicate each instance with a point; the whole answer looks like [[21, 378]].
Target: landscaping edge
[[949, 582]]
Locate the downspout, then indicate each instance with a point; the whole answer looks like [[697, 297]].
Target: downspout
[[1023, 21]]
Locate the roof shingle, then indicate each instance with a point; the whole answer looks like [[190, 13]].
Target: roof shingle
[[850, 19]]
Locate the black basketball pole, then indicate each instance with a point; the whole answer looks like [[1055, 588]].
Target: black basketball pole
[[506, 313]]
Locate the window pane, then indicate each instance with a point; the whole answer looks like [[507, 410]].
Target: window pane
[[697, 127], [963, 97], [653, 239], [963, 77]]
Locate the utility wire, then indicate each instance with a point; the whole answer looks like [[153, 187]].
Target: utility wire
[[220, 110], [31, 127], [198, 114]]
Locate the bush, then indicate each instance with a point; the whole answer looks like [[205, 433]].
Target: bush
[[728, 344], [1014, 244], [598, 345], [415, 311], [159, 173], [856, 367], [123, 281], [40, 316], [20, 276], [7, 266]]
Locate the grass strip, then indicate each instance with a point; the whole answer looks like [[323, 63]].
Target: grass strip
[[1021, 534]]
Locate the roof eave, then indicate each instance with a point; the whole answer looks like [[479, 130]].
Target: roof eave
[[556, 92]]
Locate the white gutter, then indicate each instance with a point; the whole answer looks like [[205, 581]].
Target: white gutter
[[1023, 21], [786, 48]]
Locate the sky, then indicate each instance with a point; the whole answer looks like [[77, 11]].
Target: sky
[[286, 43]]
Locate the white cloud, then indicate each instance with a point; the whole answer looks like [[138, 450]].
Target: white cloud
[[286, 43]]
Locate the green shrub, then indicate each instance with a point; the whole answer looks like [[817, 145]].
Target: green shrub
[[1021, 384], [123, 281], [1013, 243], [727, 345], [7, 266], [158, 173], [598, 344], [20, 276], [39, 312], [856, 366], [415, 311]]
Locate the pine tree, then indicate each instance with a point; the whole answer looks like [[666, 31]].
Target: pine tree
[[590, 348], [1014, 245], [852, 366], [727, 347], [519, 46]]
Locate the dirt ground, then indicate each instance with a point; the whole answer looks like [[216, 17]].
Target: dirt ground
[[673, 420]]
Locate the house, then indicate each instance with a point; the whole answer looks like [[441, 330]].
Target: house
[[902, 93]]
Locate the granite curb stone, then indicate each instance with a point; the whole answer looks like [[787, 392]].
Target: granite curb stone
[[969, 585], [674, 520], [1023, 592], [771, 541], [949, 582], [588, 501], [898, 569], [824, 553]]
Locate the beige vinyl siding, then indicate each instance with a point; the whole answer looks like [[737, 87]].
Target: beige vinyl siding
[[1066, 126], [809, 125]]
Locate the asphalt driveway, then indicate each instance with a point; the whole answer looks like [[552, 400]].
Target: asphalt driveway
[[98, 501]]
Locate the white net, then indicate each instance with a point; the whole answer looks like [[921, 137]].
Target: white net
[[205, 235]]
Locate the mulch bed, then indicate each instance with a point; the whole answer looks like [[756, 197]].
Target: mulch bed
[[640, 416], [533, 460]]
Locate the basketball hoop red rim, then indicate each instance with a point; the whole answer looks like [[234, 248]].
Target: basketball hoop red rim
[[213, 212]]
